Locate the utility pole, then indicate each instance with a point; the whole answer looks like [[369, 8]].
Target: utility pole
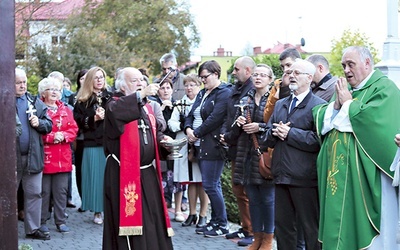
[[8, 186], [390, 64]]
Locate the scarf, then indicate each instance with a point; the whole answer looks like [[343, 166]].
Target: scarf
[[131, 219]]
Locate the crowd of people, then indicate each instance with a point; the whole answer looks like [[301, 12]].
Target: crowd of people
[[326, 145]]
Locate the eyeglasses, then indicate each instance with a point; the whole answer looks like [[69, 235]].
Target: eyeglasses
[[204, 77], [53, 90], [97, 78], [260, 75], [295, 72], [190, 86]]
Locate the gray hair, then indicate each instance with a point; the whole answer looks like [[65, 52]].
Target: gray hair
[[20, 72], [47, 83], [363, 52], [308, 66], [168, 57], [57, 75], [120, 81]]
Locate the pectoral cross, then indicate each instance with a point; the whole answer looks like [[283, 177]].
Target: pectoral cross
[[143, 127], [99, 100], [31, 110]]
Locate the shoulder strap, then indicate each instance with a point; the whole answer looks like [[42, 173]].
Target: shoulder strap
[[253, 135]]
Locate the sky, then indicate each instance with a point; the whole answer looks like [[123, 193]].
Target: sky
[[241, 24]]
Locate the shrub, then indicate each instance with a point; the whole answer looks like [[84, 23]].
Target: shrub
[[230, 199]]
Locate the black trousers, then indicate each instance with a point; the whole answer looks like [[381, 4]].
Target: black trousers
[[296, 206]]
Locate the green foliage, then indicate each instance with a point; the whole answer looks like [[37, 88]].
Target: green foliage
[[348, 38], [33, 83], [271, 60], [230, 199], [25, 247], [120, 33]]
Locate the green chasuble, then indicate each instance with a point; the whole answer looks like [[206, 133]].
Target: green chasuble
[[350, 165]]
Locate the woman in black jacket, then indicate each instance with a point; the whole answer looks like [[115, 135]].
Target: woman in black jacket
[[260, 191], [203, 126]]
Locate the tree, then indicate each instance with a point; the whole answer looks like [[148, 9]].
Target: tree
[[271, 60], [349, 38], [119, 33]]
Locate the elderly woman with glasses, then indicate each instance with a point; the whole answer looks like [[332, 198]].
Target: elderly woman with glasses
[[58, 154], [186, 169], [89, 112]]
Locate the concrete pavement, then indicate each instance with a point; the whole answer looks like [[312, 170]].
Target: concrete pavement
[[85, 235]]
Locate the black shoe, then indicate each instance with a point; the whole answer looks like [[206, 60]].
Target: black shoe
[[70, 204], [202, 221], [80, 210], [217, 231], [191, 219], [238, 234], [206, 228], [38, 235]]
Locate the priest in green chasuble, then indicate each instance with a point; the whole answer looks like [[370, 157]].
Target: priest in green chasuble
[[358, 204]]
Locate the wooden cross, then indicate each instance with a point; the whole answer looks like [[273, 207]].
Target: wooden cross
[[143, 127], [31, 110]]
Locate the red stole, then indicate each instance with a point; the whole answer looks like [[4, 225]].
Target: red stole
[[130, 185]]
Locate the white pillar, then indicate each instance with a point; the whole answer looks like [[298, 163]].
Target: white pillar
[[390, 64]]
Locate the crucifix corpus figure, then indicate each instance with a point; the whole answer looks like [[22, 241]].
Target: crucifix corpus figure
[[144, 127], [31, 110]]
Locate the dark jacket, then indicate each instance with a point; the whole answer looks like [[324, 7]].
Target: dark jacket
[[246, 160], [238, 92], [294, 159], [213, 113], [35, 154], [84, 113]]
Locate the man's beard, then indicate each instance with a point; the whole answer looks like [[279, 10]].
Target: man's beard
[[293, 87]]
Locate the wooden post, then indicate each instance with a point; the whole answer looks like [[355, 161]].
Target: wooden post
[[8, 186]]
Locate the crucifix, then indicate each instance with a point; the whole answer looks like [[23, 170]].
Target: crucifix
[[242, 107], [59, 123], [31, 110], [143, 127]]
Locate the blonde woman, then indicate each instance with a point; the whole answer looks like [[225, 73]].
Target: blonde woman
[[89, 114]]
